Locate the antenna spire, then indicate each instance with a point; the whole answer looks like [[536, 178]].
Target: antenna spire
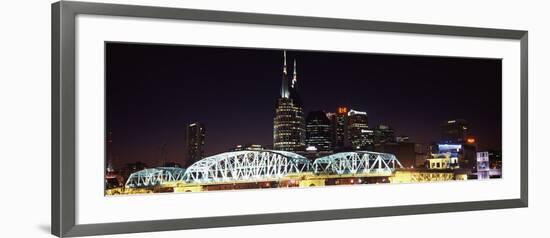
[[284, 62], [284, 87], [295, 75]]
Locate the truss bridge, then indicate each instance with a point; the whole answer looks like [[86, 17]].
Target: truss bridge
[[267, 168]]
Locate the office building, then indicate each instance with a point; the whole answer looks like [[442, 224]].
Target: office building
[[357, 132], [289, 132], [195, 142], [454, 131], [338, 124], [483, 165], [383, 134], [248, 147], [318, 131], [442, 161], [466, 153]]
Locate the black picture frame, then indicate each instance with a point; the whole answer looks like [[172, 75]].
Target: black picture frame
[[63, 117]]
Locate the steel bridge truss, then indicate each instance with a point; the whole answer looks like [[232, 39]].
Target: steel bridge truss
[[265, 165], [356, 162], [154, 176], [247, 165]]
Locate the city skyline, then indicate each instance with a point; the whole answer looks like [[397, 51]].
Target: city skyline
[[154, 92]]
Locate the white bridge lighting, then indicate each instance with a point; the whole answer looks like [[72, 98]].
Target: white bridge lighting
[[265, 165]]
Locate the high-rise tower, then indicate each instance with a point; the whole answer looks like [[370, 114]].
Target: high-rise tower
[[289, 133], [318, 131], [454, 131], [358, 135], [338, 120], [195, 142], [384, 134]]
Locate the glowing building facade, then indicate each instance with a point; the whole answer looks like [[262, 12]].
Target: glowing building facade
[[483, 168], [318, 131], [338, 124], [443, 161], [358, 134], [289, 133]]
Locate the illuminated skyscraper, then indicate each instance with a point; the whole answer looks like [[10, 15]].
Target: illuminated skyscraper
[[383, 134], [318, 131], [289, 131], [338, 121], [358, 134], [454, 131], [195, 142]]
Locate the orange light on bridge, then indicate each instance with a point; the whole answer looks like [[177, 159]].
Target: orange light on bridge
[[471, 140]]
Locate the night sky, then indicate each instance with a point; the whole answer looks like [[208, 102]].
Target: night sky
[[155, 91]]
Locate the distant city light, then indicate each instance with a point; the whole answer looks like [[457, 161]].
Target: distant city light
[[311, 148]]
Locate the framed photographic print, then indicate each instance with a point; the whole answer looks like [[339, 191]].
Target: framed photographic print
[[230, 119]]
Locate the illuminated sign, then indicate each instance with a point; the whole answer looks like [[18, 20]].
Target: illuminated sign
[[342, 110], [449, 147], [353, 112]]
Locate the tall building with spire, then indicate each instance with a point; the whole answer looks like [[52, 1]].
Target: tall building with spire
[[289, 131]]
